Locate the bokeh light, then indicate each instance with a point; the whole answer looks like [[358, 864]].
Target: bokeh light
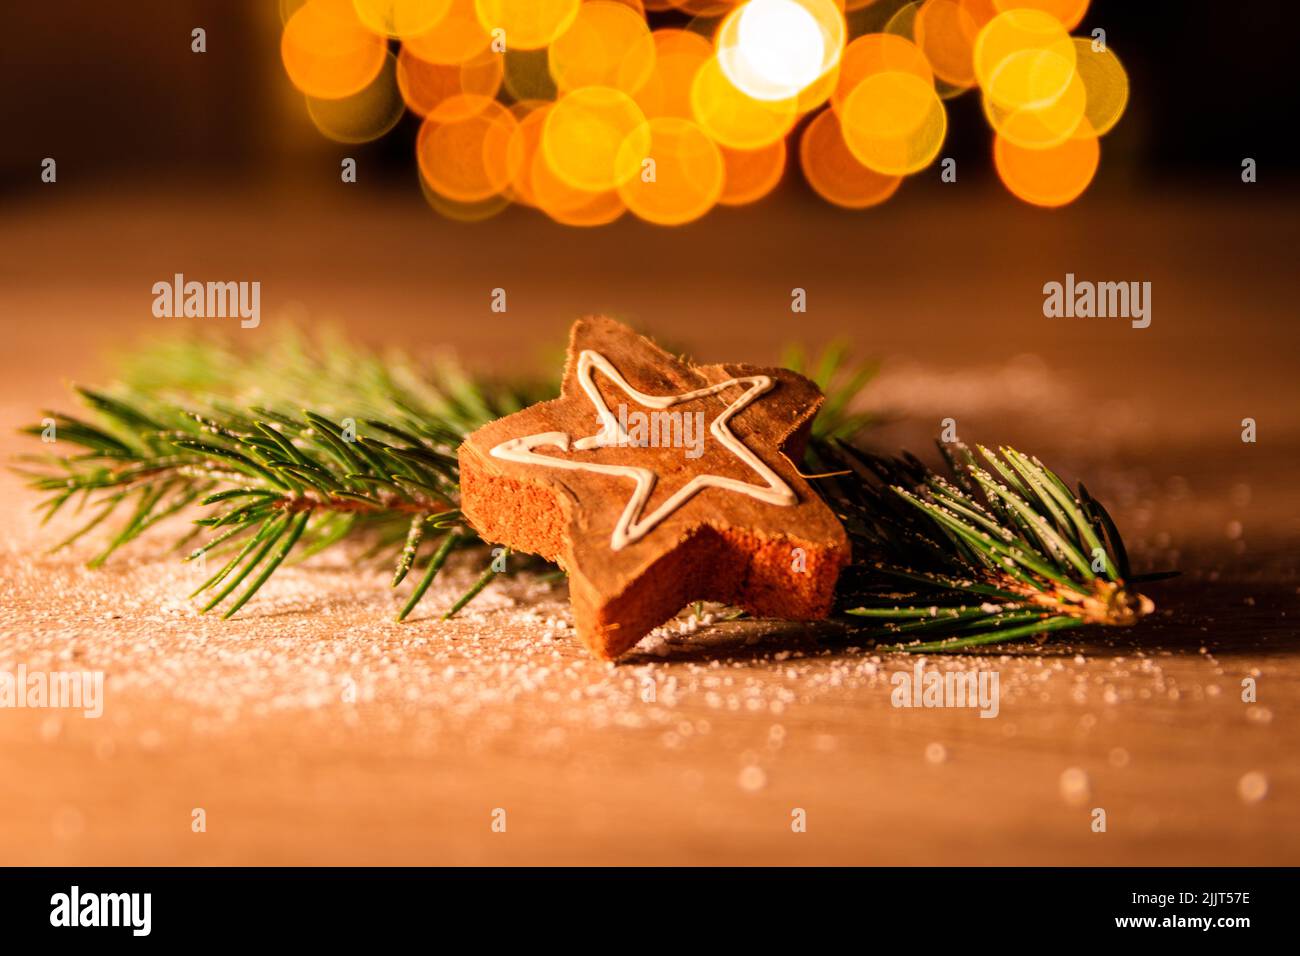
[[680, 175], [426, 86], [835, 173], [1044, 123], [733, 118], [464, 150], [774, 49], [1023, 58], [894, 123], [594, 138], [679, 54], [750, 174], [401, 18], [945, 31], [462, 211], [569, 205], [457, 37], [607, 44], [327, 51], [1068, 12], [586, 110], [1048, 177], [878, 53], [527, 24], [1105, 83], [363, 116]]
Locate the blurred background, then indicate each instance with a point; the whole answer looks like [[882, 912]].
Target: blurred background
[[117, 95]]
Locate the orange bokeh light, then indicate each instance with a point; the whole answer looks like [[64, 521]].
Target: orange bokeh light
[[607, 44], [464, 149], [894, 123], [681, 174], [570, 206], [1069, 12], [595, 95], [833, 171], [527, 24], [945, 32], [457, 37], [525, 144], [328, 52], [1048, 177], [400, 18], [878, 53], [751, 173], [733, 119], [1040, 127], [425, 86], [679, 54], [594, 138], [363, 116]]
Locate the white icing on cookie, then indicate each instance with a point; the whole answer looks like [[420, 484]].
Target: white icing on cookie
[[631, 526]]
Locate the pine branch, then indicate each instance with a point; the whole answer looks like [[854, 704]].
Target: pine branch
[[842, 380], [988, 553], [378, 458]]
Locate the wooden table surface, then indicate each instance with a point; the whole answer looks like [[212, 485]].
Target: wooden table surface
[[748, 722]]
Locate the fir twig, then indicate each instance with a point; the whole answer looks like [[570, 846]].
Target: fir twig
[[377, 456], [998, 549], [842, 381]]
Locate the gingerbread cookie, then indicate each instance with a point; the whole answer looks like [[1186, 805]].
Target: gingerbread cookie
[[655, 483]]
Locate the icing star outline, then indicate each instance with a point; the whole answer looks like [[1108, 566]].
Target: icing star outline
[[631, 525]]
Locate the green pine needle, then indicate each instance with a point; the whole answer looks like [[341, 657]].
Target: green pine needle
[[483, 581], [841, 381], [376, 457], [1001, 529], [436, 562], [306, 443]]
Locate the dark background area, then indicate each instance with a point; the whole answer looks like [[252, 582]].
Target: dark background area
[[113, 91]]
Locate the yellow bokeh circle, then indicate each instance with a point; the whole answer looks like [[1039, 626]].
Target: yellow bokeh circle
[[426, 86], [1043, 124], [1068, 12], [594, 137], [457, 37], [363, 116], [527, 24], [751, 173], [1013, 62], [680, 176], [327, 51], [401, 18], [894, 123], [945, 31], [1105, 82], [679, 54], [834, 172], [1048, 177], [775, 49], [734, 119], [464, 149], [875, 53], [607, 44]]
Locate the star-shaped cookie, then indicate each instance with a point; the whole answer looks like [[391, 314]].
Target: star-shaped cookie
[[655, 483]]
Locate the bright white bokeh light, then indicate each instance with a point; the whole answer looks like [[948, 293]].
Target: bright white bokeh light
[[778, 49]]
